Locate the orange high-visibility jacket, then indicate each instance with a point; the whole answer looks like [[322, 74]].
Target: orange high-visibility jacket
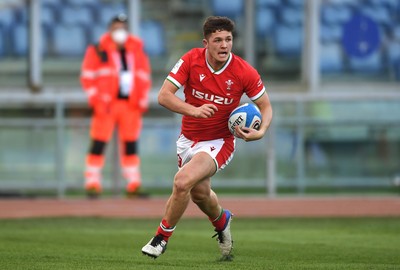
[[101, 67]]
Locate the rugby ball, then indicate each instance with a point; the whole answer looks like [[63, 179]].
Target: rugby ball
[[246, 115]]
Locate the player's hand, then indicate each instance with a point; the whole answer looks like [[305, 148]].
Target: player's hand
[[248, 134], [205, 111]]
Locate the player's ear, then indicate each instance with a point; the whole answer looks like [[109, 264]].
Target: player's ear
[[205, 42]]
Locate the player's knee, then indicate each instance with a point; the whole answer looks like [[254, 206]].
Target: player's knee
[[182, 183], [97, 147]]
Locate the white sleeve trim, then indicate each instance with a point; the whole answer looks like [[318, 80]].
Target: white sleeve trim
[[259, 94], [177, 84]]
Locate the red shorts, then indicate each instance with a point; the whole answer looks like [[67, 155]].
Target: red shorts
[[220, 150]]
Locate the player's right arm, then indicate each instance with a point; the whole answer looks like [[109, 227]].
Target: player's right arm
[[167, 98]]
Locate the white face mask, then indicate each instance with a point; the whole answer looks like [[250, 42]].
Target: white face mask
[[119, 36]]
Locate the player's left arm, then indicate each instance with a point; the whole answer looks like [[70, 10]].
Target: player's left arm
[[249, 134]]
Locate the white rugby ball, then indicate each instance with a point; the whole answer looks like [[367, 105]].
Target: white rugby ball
[[246, 115]]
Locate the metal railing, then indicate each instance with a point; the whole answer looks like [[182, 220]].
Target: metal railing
[[298, 121]]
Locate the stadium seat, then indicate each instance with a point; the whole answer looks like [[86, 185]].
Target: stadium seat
[[77, 15], [369, 64], [108, 11], [379, 14], [292, 16], [267, 3], [393, 52], [69, 40], [288, 40], [265, 20], [21, 15], [335, 14], [396, 33], [19, 40], [330, 33], [82, 2], [47, 16], [152, 34], [391, 4], [331, 59], [296, 3], [2, 42], [96, 32], [6, 17], [230, 8]]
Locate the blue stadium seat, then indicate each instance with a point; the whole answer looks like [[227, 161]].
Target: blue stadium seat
[[21, 14], [268, 3], [292, 16], [47, 16], [396, 33], [69, 40], [83, 2], [77, 15], [380, 15], [19, 40], [2, 41], [331, 58], [393, 52], [51, 2], [296, 3], [288, 40], [96, 32], [265, 20], [107, 12], [335, 14], [230, 8], [330, 33], [7, 17], [369, 64], [391, 4], [153, 37]]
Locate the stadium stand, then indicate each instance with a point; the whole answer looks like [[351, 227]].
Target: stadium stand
[[265, 20], [2, 42], [153, 37], [73, 15], [288, 40], [230, 8], [69, 40], [331, 58]]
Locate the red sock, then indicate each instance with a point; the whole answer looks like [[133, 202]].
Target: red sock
[[219, 222], [165, 229]]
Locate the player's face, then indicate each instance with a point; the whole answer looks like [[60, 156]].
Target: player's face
[[219, 45]]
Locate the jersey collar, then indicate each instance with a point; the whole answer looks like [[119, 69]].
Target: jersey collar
[[221, 69]]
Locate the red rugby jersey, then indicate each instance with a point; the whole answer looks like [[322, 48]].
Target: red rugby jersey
[[223, 88]]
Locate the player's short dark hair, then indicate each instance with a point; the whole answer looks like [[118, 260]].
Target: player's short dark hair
[[217, 23], [120, 18]]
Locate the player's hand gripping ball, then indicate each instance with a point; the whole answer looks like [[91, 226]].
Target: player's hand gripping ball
[[246, 115]]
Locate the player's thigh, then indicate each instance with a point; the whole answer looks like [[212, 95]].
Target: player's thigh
[[130, 124], [102, 126], [199, 168]]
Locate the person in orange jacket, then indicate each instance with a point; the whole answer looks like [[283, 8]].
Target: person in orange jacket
[[116, 78]]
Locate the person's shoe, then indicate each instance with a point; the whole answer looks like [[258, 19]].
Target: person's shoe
[[155, 247], [93, 189], [224, 236], [132, 188]]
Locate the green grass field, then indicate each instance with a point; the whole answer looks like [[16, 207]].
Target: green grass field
[[291, 243]]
